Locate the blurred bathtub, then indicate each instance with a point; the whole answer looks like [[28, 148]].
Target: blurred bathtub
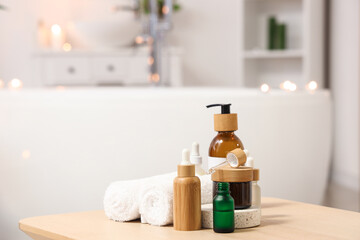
[[60, 149]]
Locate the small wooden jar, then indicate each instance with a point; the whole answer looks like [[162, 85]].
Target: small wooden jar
[[240, 183]]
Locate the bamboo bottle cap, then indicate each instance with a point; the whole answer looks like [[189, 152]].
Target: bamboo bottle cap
[[236, 158], [229, 174], [256, 174], [225, 122], [186, 170]]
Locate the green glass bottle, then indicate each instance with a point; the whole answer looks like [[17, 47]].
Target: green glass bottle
[[223, 209]]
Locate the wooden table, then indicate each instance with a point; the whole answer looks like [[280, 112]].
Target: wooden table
[[281, 219]]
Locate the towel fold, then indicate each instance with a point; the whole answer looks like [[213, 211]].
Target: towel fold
[[149, 198], [156, 206], [122, 198]]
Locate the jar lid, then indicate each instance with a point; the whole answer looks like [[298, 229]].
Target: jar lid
[[229, 174], [256, 174]]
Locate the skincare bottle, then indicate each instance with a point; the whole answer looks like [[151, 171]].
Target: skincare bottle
[[255, 188], [187, 197], [226, 140], [223, 210], [256, 191], [196, 159]]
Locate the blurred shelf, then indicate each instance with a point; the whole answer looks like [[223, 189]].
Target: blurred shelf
[[253, 54]]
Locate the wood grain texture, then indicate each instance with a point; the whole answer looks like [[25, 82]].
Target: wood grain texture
[[230, 174], [281, 220], [238, 154], [225, 122], [187, 203]]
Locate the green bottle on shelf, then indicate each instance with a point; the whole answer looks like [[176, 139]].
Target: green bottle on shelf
[[223, 210]]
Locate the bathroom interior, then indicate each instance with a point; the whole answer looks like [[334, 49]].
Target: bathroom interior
[[93, 92]]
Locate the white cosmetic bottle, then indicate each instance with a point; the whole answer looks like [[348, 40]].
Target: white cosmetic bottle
[[196, 159], [255, 189]]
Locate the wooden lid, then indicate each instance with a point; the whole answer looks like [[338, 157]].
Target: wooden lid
[[225, 122], [256, 174], [186, 170], [236, 158], [229, 174]]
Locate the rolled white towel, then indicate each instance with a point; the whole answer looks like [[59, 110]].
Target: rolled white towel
[[120, 201], [206, 189], [122, 198], [156, 205]]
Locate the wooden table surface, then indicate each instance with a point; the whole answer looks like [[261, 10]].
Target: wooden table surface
[[281, 219]]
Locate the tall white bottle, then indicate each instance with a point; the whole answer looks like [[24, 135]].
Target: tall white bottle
[[196, 159], [256, 190]]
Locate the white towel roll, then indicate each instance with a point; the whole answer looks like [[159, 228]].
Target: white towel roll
[[120, 201], [151, 198], [156, 206], [122, 198]]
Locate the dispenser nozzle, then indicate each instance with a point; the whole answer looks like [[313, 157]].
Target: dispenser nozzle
[[225, 108]]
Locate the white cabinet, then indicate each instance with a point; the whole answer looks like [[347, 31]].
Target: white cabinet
[[139, 69], [67, 71], [109, 70], [123, 67]]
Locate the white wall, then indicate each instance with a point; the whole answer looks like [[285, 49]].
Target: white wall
[[80, 140], [344, 72], [206, 29]]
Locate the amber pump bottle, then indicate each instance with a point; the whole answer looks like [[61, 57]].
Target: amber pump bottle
[[225, 141]]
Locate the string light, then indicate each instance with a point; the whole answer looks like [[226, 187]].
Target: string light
[[2, 83], [154, 78], [60, 88], [26, 154], [288, 86], [56, 29], [265, 88], [165, 10], [139, 39], [67, 47], [312, 86], [15, 84], [150, 60]]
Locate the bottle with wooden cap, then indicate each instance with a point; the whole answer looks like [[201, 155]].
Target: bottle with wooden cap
[[187, 196], [256, 191], [226, 140]]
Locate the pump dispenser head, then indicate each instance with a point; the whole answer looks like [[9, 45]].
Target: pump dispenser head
[[225, 108], [226, 121]]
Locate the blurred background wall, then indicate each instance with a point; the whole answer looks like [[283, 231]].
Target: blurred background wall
[[206, 30], [345, 85]]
